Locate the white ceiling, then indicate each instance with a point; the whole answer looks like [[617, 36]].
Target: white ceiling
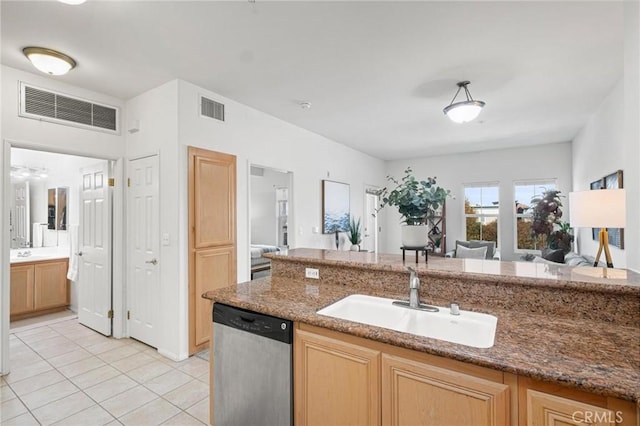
[[377, 73]]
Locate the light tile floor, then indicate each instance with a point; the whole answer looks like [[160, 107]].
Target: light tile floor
[[66, 374]]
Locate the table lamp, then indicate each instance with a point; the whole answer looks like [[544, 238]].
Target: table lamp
[[601, 208]]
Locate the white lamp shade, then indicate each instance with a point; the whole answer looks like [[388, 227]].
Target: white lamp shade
[[601, 208], [464, 112]]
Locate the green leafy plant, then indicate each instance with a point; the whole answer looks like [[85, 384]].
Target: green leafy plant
[[547, 224], [354, 233], [416, 200]]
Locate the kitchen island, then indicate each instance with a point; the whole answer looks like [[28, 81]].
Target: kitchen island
[[567, 332]]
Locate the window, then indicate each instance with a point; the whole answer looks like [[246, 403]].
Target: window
[[481, 207], [524, 192]]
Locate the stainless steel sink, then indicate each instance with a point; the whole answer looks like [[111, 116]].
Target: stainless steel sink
[[468, 328]]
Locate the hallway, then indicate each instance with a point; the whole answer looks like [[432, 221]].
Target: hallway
[[64, 373]]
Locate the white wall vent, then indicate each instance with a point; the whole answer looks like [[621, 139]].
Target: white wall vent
[[45, 105], [212, 109]]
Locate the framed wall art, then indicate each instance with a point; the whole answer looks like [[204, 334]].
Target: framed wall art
[[611, 181], [335, 207]]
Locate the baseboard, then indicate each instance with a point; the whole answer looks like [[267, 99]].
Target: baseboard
[[172, 356]]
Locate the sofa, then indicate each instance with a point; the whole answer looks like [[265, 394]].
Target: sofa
[[553, 257]]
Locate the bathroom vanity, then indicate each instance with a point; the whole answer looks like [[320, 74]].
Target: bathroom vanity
[[566, 347], [39, 282]]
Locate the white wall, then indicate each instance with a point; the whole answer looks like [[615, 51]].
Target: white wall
[[599, 150], [25, 132], [52, 136], [551, 161], [632, 130], [264, 226], [255, 137], [170, 121], [156, 111]]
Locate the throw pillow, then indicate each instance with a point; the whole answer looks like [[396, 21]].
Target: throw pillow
[[553, 255], [490, 245], [470, 253]]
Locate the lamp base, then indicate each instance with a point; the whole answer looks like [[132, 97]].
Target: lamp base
[[603, 236]]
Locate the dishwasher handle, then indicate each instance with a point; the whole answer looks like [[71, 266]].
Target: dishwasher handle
[[253, 322]]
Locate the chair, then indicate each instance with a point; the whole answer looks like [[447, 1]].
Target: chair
[[492, 253]]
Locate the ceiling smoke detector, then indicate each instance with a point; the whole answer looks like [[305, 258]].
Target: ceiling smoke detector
[[305, 105]]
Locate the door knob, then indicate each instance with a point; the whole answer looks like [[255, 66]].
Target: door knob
[[152, 261], [79, 253]]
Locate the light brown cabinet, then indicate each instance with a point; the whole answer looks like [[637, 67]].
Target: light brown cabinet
[[39, 287], [546, 404], [415, 393], [341, 379], [336, 382]]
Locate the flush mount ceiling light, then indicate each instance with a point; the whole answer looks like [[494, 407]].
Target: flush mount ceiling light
[[49, 61], [72, 2], [465, 111]]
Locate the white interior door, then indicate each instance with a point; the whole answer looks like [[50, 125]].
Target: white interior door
[[143, 270], [370, 223], [21, 216], [94, 235]]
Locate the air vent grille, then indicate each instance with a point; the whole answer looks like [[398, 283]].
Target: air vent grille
[[212, 109], [51, 106]]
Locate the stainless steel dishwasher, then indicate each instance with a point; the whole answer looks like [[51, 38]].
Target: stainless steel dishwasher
[[252, 368]]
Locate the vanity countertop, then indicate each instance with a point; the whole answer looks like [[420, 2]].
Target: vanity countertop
[[38, 254], [547, 344], [592, 356]]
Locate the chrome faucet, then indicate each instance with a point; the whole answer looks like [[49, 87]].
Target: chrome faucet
[[414, 289], [414, 295]]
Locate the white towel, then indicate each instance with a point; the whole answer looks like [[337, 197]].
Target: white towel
[[37, 235], [74, 261]]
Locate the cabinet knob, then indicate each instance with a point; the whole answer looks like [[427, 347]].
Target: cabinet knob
[[152, 261]]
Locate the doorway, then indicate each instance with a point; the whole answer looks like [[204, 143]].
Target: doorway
[[269, 216], [48, 247], [370, 223]]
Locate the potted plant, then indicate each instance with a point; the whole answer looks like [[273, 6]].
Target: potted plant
[[416, 201], [354, 234], [547, 226]]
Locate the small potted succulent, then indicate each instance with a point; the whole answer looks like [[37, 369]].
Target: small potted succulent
[[416, 200], [547, 224], [354, 234]]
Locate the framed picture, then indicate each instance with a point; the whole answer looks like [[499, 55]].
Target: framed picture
[[612, 181], [335, 207]]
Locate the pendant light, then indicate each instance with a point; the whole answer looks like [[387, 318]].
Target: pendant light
[[49, 61], [464, 111]]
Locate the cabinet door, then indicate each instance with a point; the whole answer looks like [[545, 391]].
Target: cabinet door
[[550, 410], [335, 382], [415, 393], [21, 289], [51, 288]]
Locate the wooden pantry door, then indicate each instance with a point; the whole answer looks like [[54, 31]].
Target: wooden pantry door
[[212, 236]]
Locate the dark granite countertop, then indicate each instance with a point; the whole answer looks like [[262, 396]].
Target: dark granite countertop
[[592, 356]]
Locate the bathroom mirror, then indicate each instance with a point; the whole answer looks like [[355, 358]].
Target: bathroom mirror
[[51, 208], [57, 208]]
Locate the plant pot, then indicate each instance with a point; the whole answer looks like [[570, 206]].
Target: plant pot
[[414, 235], [355, 247]]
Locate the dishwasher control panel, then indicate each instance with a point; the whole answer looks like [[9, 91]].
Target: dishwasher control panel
[[253, 322]]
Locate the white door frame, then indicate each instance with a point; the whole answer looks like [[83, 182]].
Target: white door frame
[[118, 270]]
